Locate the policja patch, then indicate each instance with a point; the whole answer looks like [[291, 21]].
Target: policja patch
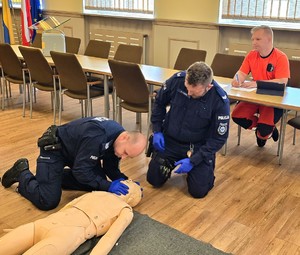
[[222, 129]]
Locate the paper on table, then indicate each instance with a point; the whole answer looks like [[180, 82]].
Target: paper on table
[[244, 89]]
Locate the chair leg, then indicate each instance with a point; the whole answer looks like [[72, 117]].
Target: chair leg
[[9, 89], [30, 97], [239, 134], [60, 108], [3, 91], [91, 108], [224, 149], [294, 135]]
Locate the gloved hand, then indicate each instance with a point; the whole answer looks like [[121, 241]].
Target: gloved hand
[[185, 166], [159, 141], [118, 188]]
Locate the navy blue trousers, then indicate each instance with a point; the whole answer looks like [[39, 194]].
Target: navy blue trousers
[[200, 180], [45, 188]]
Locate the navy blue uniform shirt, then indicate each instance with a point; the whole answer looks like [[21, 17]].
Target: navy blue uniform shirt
[[202, 121], [85, 142]]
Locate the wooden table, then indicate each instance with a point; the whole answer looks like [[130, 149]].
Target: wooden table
[[153, 75], [289, 101], [157, 75]]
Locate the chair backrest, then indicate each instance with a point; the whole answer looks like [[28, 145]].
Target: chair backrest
[[129, 53], [72, 44], [11, 64], [226, 65], [294, 81], [39, 68], [99, 49], [129, 82], [187, 56], [70, 72], [37, 42]]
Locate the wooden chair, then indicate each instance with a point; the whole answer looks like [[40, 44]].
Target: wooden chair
[[37, 42], [41, 74], [73, 82], [99, 49], [13, 71], [96, 48], [187, 56], [226, 65], [131, 89], [72, 44], [128, 53]]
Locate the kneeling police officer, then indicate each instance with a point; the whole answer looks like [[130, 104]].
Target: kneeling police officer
[[189, 134], [90, 149]]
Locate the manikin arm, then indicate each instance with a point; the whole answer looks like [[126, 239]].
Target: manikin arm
[[107, 241]]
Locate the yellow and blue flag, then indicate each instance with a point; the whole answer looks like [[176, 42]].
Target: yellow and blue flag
[[7, 22]]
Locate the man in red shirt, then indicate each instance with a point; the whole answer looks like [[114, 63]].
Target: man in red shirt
[[266, 63]]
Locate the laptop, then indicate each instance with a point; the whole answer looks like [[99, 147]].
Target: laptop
[[270, 88]]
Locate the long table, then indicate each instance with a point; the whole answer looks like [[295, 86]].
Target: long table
[[289, 101], [153, 75], [157, 75]]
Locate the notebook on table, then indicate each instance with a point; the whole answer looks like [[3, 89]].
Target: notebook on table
[[270, 88]]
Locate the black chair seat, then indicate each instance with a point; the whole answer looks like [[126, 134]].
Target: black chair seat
[[295, 122]]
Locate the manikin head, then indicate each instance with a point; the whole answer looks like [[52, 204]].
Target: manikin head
[[134, 195]]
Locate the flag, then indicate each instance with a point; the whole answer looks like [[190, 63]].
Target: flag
[[36, 13], [26, 22], [7, 22]]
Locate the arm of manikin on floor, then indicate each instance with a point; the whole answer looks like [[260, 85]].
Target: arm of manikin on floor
[[17, 240], [107, 241]]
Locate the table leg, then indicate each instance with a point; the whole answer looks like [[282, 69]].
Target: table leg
[[282, 135]]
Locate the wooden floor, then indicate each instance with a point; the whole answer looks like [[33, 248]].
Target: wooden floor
[[254, 207]]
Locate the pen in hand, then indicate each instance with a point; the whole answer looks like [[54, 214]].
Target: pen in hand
[[237, 79]]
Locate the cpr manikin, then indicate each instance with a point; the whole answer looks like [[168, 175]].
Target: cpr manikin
[[92, 214]]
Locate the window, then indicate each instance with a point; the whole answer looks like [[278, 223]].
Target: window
[[122, 8], [15, 3], [280, 13]]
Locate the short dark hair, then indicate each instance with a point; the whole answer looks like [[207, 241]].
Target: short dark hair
[[199, 73]]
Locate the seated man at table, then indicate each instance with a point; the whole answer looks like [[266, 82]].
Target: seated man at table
[[266, 63]]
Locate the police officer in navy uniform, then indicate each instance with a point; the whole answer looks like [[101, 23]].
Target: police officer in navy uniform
[[188, 135], [90, 148]]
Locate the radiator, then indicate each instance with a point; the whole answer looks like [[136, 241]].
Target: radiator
[[243, 49], [120, 37]]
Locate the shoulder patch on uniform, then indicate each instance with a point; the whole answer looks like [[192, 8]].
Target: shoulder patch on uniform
[[220, 91], [180, 74], [222, 129]]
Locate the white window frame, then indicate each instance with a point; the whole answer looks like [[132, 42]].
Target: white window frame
[[141, 9], [15, 3], [275, 13]]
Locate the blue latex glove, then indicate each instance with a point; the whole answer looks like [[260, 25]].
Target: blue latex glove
[[159, 141], [118, 188], [185, 166]]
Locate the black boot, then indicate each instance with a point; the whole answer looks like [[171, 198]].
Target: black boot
[[260, 142], [11, 176], [275, 134]]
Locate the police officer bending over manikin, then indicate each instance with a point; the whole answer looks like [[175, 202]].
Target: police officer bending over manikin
[[90, 147], [189, 134]]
